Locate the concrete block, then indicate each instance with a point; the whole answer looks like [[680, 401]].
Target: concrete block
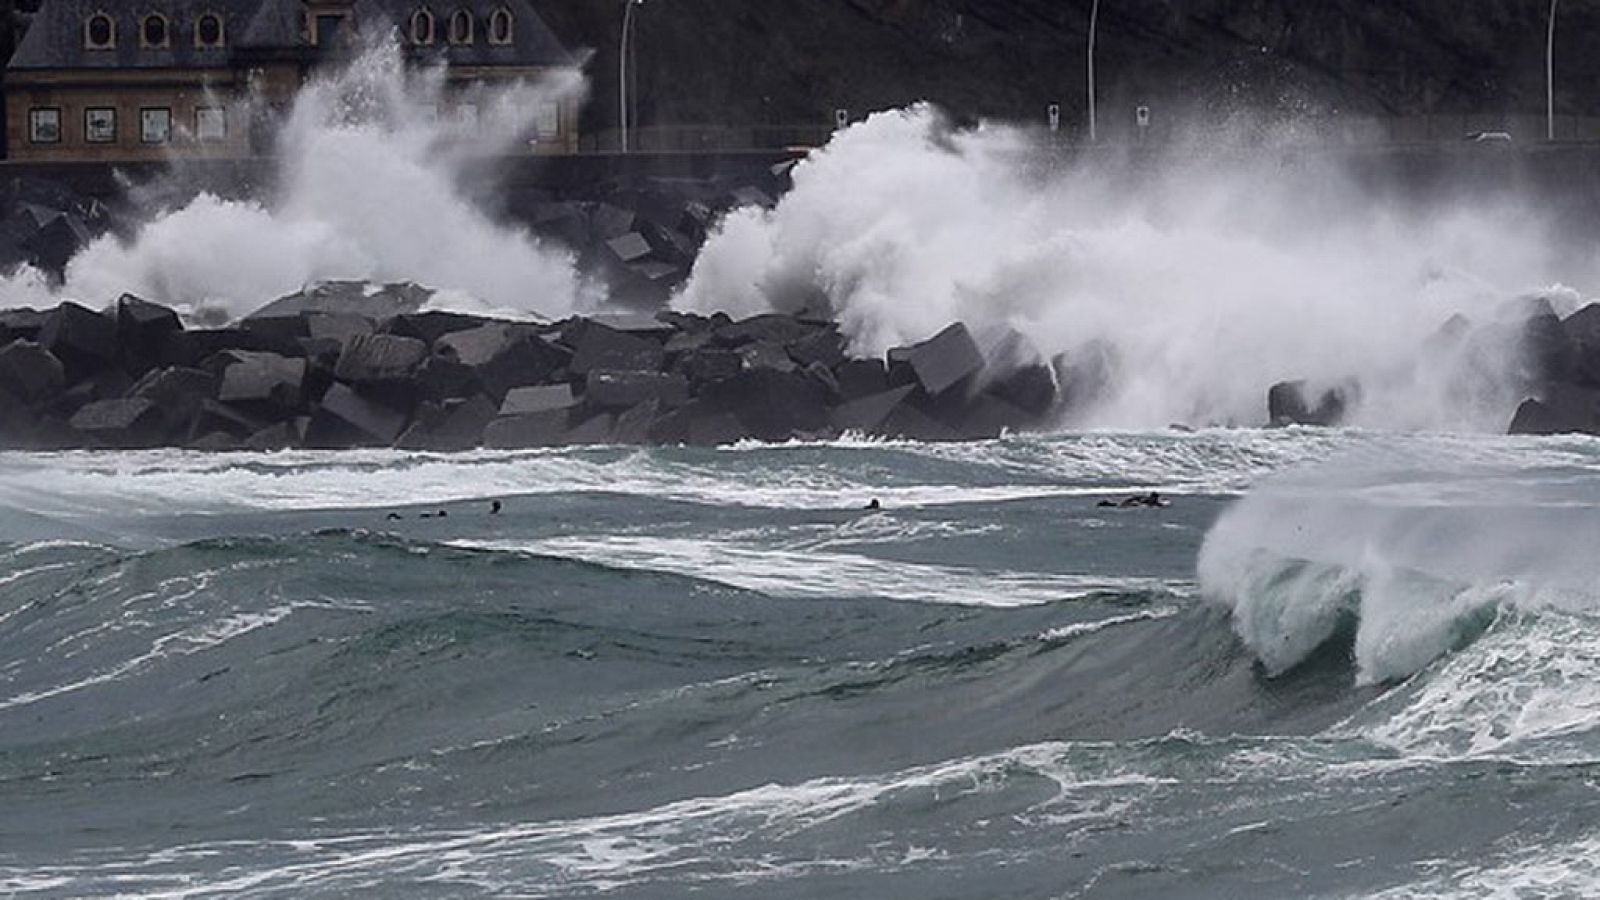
[[541, 398], [622, 390], [123, 423], [946, 359], [599, 347], [344, 418], [30, 373], [372, 359]]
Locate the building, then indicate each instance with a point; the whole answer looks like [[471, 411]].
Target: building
[[117, 80]]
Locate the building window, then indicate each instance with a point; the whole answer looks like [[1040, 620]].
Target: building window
[[461, 27], [100, 32], [210, 124], [100, 125], [153, 32], [547, 120], [208, 31], [500, 26], [44, 125], [330, 31], [422, 27], [155, 125]]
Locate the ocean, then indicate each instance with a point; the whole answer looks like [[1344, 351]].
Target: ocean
[[1339, 663]]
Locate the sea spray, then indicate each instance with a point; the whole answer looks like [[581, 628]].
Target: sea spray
[[1211, 272], [368, 186]]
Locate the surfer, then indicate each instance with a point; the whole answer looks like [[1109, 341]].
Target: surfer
[[874, 506], [1152, 499], [494, 507]]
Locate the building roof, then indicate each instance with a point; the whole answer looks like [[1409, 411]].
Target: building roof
[[56, 38]]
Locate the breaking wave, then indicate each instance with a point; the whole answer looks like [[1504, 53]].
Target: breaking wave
[[1405, 558], [1204, 274], [369, 186]]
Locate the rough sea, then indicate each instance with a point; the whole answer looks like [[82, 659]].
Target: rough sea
[[1338, 664]]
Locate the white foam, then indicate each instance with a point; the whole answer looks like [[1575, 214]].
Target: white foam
[[1212, 274], [818, 574]]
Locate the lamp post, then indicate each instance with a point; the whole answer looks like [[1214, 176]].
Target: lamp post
[[623, 53], [1550, 77], [1094, 22]]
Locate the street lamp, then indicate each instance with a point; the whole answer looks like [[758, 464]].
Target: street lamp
[[623, 53], [1094, 22], [1550, 77]]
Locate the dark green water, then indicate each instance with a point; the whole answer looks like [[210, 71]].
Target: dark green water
[[674, 673]]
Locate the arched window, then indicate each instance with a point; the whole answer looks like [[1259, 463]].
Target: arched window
[[422, 27], [153, 31], [100, 32], [208, 31], [461, 27], [501, 26]]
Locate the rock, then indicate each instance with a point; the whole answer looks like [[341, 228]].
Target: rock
[[216, 442], [265, 382], [177, 392], [431, 325], [284, 330], [30, 373], [345, 418], [192, 348], [906, 421], [774, 406], [124, 423], [765, 354], [1288, 404], [775, 327], [341, 329], [373, 359], [1564, 409], [527, 400], [22, 324], [440, 379], [57, 242], [355, 298], [541, 429], [281, 436], [503, 356], [142, 328], [946, 359], [859, 378], [1030, 388], [1583, 331], [457, 424], [629, 247], [710, 364], [622, 390], [594, 430], [600, 347], [824, 346], [633, 426], [214, 417], [84, 340], [1549, 354], [867, 414]]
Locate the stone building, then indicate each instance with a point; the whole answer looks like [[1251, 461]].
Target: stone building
[[117, 80]]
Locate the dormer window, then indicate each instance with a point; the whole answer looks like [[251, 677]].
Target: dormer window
[[153, 32], [461, 27], [422, 27], [208, 31], [501, 26], [100, 32]]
